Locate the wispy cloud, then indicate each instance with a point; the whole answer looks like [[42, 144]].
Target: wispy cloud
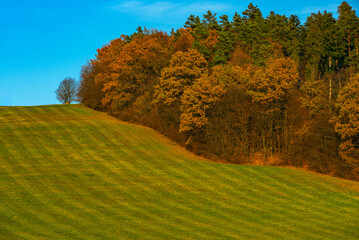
[[168, 10]]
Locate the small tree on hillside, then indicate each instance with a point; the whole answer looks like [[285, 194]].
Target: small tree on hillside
[[67, 91]]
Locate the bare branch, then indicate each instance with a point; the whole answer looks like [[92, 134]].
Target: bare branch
[[67, 91]]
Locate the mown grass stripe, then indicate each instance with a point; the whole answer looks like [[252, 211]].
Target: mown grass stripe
[[125, 181], [97, 166], [94, 202], [51, 210]]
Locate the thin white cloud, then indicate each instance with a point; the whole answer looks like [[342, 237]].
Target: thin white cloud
[[168, 10]]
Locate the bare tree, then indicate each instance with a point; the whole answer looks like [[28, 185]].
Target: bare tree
[[67, 91]]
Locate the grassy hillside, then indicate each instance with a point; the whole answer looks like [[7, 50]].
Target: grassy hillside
[[68, 172]]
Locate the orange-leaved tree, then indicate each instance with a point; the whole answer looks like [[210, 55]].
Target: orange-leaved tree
[[185, 41], [269, 85], [131, 67], [184, 69], [268, 88], [196, 99], [347, 120]]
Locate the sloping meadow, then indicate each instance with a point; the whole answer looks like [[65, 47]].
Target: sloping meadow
[[68, 172]]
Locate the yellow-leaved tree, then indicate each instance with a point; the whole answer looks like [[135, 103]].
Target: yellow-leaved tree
[[268, 88], [196, 99], [269, 85], [185, 41], [184, 69], [131, 67], [347, 122]]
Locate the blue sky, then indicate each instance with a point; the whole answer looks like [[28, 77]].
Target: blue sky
[[42, 41]]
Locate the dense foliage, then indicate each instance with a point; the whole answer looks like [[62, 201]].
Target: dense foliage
[[259, 90]]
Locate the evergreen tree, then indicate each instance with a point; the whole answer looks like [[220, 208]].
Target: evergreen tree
[[192, 22], [209, 20], [348, 24], [237, 23], [253, 33], [277, 30], [294, 48], [252, 13], [226, 42]]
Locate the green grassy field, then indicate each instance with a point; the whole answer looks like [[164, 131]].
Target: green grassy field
[[68, 172]]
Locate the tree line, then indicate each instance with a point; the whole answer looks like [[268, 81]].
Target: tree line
[[254, 89]]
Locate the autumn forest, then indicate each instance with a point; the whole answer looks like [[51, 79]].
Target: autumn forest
[[254, 89]]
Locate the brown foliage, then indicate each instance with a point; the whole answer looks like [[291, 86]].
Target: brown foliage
[[268, 85], [256, 109], [185, 41], [90, 92], [347, 122], [131, 68], [212, 39], [184, 69], [240, 57], [196, 100]]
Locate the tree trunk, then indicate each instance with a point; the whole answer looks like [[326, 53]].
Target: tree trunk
[[330, 62], [348, 43], [356, 43], [330, 90], [338, 72]]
